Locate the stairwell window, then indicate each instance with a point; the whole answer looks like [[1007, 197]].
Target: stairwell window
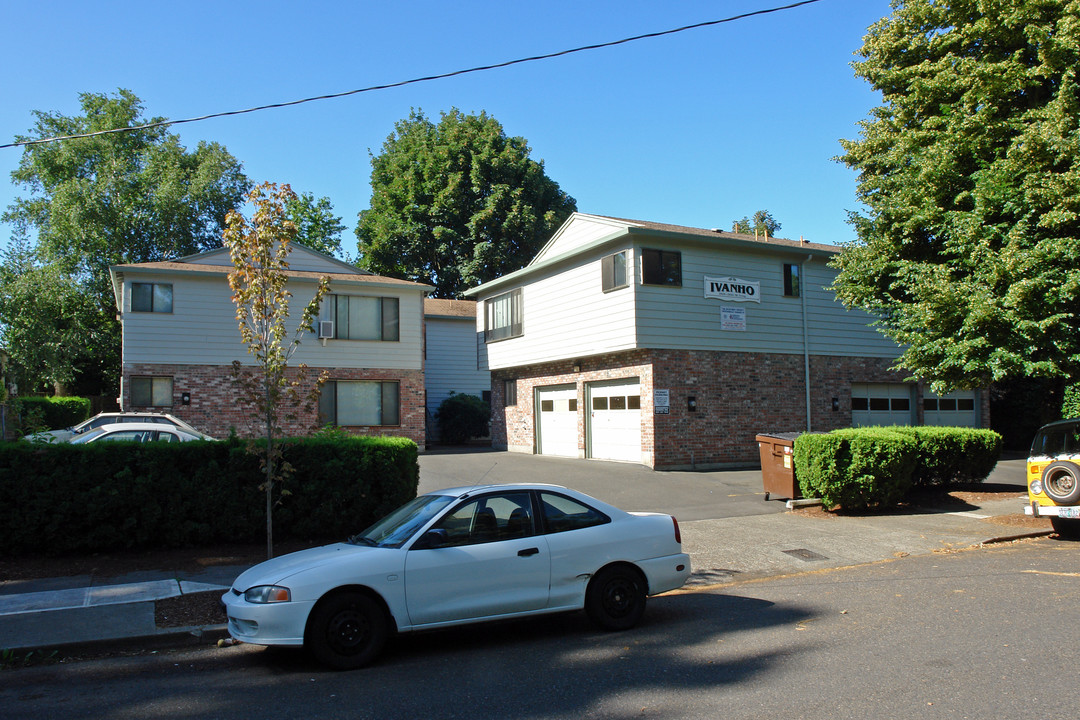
[[661, 267], [503, 317], [151, 297], [791, 280]]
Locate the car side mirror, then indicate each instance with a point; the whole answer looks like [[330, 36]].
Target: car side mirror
[[435, 538]]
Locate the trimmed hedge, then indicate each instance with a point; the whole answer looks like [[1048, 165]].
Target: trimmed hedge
[[56, 412], [953, 455], [859, 468], [58, 499], [855, 468]]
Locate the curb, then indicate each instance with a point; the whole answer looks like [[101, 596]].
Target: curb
[[163, 639]]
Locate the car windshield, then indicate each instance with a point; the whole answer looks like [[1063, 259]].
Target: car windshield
[[1057, 440], [400, 525], [88, 436]]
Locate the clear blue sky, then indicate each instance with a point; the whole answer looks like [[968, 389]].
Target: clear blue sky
[[698, 128]]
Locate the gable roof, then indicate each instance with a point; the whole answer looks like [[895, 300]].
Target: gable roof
[[218, 263], [583, 233]]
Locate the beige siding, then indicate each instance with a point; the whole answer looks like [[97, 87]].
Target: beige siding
[[203, 330], [567, 315]]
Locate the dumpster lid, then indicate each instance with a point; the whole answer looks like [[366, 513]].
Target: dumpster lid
[[781, 435]]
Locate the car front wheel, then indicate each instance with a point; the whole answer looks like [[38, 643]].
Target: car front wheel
[[615, 598], [346, 630]]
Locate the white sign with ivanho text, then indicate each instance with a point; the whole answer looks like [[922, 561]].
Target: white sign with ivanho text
[[733, 289]]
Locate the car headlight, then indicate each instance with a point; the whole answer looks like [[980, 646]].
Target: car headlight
[[267, 594], [1036, 487]]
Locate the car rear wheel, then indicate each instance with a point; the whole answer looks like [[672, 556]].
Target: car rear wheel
[[346, 630], [1061, 482], [615, 598], [1066, 528]]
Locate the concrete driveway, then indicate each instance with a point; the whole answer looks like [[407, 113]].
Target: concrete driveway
[[687, 495]]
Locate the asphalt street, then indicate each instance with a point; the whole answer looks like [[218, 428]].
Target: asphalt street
[[981, 633]]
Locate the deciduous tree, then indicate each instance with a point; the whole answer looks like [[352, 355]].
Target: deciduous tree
[[126, 197], [259, 250], [762, 223], [457, 203], [970, 172]]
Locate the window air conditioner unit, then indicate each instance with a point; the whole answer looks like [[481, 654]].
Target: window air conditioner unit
[[326, 330]]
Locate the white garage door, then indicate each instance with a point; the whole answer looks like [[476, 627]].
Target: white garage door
[[615, 420], [558, 421], [881, 404], [957, 409]]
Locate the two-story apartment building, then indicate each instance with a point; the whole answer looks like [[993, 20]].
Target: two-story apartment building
[[180, 338], [673, 347]]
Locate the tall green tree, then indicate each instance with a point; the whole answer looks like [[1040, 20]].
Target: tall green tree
[[126, 197], [763, 223], [259, 251], [47, 322], [316, 225], [969, 249], [456, 203]]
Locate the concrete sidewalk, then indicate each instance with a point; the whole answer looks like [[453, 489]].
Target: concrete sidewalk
[[62, 611]]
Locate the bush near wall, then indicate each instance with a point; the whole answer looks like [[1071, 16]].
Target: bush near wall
[[855, 468], [61, 499], [55, 412], [876, 467], [949, 455]]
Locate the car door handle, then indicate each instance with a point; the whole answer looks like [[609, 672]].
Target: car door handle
[[528, 551]]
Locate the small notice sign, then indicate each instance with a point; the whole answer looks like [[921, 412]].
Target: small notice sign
[[733, 318], [662, 402]]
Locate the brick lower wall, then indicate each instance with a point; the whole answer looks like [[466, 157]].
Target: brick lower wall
[[736, 396], [215, 407]]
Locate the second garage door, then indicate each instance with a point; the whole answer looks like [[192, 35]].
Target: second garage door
[[615, 420], [557, 422]]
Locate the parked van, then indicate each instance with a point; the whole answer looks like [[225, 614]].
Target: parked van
[[1053, 476]]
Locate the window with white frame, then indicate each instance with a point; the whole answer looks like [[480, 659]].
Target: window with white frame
[[359, 317], [503, 316], [151, 297], [351, 403], [151, 391]]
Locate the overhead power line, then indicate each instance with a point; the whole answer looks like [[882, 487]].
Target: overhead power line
[[441, 76]]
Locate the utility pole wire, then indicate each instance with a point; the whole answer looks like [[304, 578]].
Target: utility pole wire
[[442, 76]]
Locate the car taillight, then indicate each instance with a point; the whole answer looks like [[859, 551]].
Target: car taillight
[[678, 535]]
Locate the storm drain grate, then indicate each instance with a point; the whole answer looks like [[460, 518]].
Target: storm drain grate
[[804, 554]]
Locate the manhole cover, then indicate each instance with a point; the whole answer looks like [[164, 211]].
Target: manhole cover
[[804, 554]]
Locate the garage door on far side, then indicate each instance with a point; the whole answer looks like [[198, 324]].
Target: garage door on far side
[[614, 420], [557, 421]]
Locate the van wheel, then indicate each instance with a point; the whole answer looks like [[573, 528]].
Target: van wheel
[[1066, 528], [1061, 482]]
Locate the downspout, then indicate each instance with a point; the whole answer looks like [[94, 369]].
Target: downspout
[[806, 338]]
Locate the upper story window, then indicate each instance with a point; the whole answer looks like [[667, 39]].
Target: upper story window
[[359, 317], [791, 280], [613, 271], [661, 267], [503, 316], [151, 297]]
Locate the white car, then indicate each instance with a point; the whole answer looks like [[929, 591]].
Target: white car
[[109, 418], [459, 556], [135, 432]]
